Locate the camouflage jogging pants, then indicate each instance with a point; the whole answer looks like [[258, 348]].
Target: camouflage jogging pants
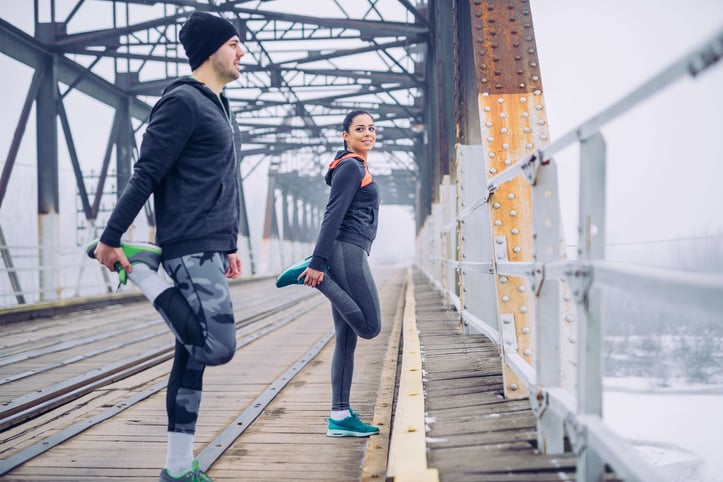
[[199, 312]]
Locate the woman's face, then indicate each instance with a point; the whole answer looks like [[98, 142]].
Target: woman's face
[[361, 136]]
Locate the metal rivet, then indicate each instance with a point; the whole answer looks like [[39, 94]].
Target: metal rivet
[[513, 386], [493, 170], [541, 122], [498, 223], [538, 107], [506, 147], [503, 115], [515, 231], [508, 162], [523, 99], [527, 130], [503, 279], [513, 213], [528, 352], [567, 297], [504, 130], [572, 339], [569, 318], [521, 288], [529, 145], [490, 139], [487, 108], [523, 309], [525, 115], [488, 123], [496, 205], [505, 298], [516, 249], [500, 100], [511, 196], [526, 330]]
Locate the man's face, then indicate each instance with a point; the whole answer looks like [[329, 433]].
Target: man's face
[[227, 58]]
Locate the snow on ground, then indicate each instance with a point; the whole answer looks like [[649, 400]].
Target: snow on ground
[[679, 427]]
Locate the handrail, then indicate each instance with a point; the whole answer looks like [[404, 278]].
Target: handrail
[[444, 256]]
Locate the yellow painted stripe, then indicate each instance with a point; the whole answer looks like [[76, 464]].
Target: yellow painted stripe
[[408, 450]]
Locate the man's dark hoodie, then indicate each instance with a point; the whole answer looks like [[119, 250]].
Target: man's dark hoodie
[[187, 161], [352, 212]]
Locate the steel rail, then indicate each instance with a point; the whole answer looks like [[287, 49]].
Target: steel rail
[[66, 434], [41, 401], [48, 443]]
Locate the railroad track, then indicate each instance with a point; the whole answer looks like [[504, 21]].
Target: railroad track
[[66, 372]]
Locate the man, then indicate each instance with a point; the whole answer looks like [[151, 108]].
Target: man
[[188, 162]]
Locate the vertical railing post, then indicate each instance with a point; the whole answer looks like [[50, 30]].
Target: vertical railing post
[[548, 316], [591, 246], [476, 251]]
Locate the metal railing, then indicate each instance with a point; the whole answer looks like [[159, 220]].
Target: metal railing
[[458, 251], [75, 275]]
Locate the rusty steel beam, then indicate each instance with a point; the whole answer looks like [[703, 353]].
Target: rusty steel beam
[[513, 124]]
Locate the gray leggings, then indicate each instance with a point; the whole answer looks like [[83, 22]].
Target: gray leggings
[[350, 287], [198, 311]]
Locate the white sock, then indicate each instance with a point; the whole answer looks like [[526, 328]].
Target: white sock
[[179, 457], [339, 414], [148, 281]]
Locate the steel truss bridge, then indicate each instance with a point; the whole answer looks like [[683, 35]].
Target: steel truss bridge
[[463, 138]]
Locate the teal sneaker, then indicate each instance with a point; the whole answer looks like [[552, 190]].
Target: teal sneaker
[[194, 474], [291, 274], [136, 252], [351, 426]]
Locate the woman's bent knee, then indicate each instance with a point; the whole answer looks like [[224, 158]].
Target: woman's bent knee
[[371, 332]]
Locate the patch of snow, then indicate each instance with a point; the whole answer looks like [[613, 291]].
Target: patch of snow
[[679, 427]]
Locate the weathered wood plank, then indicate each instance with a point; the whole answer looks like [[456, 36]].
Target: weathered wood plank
[[475, 434]]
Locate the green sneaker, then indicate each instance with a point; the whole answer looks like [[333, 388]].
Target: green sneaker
[[351, 426], [136, 252], [291, 274], [194, 474]]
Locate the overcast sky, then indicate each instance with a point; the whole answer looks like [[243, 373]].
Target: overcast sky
[[664, 159]]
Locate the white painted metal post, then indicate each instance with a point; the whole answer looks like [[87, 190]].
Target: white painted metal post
[[591, 246], [548, 315], [476, 251]]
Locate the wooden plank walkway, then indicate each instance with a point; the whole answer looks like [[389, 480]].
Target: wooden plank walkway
[[286, 442], [473, 433]]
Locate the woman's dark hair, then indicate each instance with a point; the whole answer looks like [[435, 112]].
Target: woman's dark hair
[[350, 117]]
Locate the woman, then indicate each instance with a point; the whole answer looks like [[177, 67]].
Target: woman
[[339, 267]]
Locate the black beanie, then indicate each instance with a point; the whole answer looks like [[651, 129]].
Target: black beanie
[[202, 35]]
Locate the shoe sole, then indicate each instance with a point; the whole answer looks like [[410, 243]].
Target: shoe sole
[[136, 252], [290, 276], [139, 252], [348, 433]]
